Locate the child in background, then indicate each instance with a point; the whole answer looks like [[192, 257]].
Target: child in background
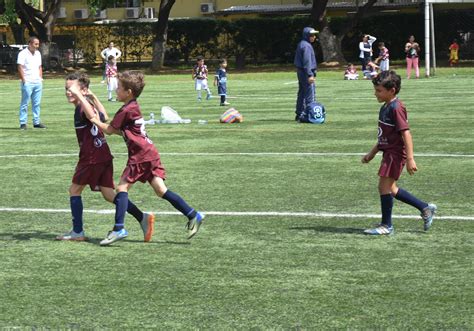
[[395, 140], [200, 76], [144, 163], [221, 81], [454, 53], [111, 74], [371, 70], [351, 72], [95, 167], [383, 58]]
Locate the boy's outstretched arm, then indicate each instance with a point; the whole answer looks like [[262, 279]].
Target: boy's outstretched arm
[[370, 155], [408, 140], [107, 128], [97, 104]]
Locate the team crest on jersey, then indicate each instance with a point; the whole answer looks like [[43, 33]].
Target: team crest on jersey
[[98, 142], [94, 130]]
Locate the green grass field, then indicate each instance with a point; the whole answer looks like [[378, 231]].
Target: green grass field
[[282, 245]]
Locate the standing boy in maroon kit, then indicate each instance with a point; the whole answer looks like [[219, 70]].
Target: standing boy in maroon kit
[[95, 167], [144, 163], [395, 140]]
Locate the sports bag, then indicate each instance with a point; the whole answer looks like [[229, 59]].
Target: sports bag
[[314, 113]]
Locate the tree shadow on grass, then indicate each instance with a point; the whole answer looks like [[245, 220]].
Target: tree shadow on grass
[[16, 128], [328, 229], [25, 236], [170, 242], [96, 241]]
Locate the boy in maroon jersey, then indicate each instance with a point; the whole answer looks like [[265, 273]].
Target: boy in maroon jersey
[[95, 167], [144, 163], [394, 139]]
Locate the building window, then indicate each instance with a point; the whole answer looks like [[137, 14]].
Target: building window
[[126, 3]]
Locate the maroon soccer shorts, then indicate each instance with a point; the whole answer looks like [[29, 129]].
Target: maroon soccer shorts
[[95, 175], [143, 172], [392, 165]]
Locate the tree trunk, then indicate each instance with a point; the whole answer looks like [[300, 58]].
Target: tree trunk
[[331, 46], [161, 34], [330, 43], [18, 33], [159, 49]]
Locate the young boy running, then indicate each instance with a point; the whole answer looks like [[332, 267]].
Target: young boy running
[[143, 158], [394, 139], [95, 167]]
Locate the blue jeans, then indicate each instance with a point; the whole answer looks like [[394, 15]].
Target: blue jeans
[[33, 91], [306, 92]]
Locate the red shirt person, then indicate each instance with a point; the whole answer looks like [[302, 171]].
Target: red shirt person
[[143, 158], [94, 167]]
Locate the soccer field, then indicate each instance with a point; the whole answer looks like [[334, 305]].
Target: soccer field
[[282, 245]]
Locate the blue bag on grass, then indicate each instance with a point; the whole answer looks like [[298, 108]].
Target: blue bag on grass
[[314, 113]]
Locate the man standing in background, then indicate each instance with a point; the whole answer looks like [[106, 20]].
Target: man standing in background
[[30, 71], [305, 62], [111, 50]]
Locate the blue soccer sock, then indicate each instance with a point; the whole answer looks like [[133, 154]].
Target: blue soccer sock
[[222, 98], [408, 198], [179, 204], [133, 210], [386, 201], [121, 206], [76, 211]]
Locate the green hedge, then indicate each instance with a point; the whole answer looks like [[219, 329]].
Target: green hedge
[[264, 40]]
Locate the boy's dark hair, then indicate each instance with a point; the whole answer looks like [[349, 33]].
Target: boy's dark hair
[[111, 57], [222, 61], [381, 44], [82, 78], [199, 58], [132, 80], [388, 80]]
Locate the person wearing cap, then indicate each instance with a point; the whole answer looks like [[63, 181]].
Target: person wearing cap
[[305, 62]]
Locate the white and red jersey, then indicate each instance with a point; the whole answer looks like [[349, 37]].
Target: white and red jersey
[[129, 120], [93, 147], [200, 72], [384, 54], [111, 70]]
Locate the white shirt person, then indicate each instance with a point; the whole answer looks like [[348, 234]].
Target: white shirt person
[[30, 71], [106, 52]]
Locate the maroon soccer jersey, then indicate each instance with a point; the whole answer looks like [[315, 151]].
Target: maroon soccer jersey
[[392, 120], [129, 120], [93, 147]]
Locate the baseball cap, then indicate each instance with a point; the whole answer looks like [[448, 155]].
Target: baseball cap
[[313, 31]]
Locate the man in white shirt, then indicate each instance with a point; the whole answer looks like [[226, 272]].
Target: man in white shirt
[[111, 50], [30, 71]]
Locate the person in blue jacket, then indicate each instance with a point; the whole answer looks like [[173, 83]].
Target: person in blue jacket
[[305, 62]]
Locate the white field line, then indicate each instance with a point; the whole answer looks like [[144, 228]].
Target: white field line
[[256, 154], [240, 214]]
